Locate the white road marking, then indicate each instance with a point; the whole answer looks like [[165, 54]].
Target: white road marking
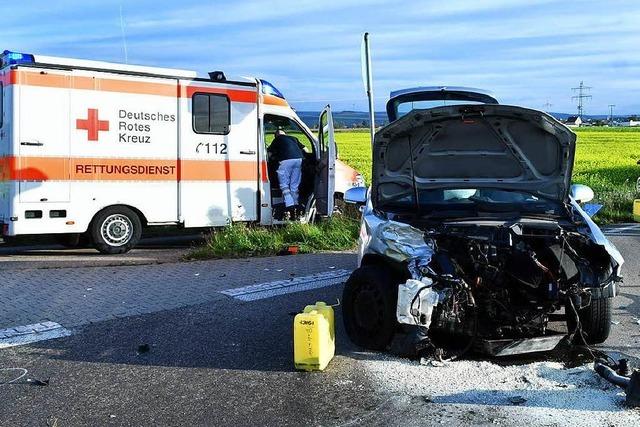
[[28, 334], [281, 287]]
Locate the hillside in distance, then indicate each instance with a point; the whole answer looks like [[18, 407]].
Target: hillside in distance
[[360, 119]]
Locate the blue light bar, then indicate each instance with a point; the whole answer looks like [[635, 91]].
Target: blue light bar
[[269, 89], [12, 58]]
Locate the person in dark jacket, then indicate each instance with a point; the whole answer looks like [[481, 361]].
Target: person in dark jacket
[[288, 152]]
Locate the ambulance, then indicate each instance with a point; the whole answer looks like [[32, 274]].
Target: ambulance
[[98, 151]]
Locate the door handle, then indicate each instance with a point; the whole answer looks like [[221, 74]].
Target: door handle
[[248, 152], [32, 143]]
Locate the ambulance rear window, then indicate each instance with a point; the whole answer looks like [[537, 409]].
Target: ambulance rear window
[[211, 113]]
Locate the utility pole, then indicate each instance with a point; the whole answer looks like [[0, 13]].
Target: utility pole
[[368, 82], [581, 96], [611, 106], [547, 106]]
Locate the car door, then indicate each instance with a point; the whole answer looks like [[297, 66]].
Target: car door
[[326, 183]]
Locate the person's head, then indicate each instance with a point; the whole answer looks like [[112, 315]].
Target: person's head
[[280, 132]]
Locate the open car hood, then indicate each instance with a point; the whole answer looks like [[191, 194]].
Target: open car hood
[[473, 146]]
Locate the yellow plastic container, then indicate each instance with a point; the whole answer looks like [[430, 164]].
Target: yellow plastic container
[[636, 210], [314, 342]]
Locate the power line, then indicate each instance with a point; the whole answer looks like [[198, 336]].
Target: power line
[[581, 96]]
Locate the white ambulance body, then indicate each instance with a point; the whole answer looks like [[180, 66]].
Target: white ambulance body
[[101, 150]]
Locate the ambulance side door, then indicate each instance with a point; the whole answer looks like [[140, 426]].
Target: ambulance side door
[[43, 139], [327, 164], [218, 154]]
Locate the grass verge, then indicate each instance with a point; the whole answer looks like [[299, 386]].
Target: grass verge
[[241, 240]]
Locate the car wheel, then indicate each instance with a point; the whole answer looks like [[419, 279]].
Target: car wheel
[[116, 230], [595, 320], [369, 307]]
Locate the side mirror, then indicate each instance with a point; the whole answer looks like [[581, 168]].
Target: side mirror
[[581, 193], [356, 196]]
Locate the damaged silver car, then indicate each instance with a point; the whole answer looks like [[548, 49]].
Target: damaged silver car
[[472, 235]]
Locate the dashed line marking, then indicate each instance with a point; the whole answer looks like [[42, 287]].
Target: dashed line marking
[[28, 334], [282, 287]]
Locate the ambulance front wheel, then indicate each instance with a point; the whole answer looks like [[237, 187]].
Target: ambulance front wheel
[[116, 230]]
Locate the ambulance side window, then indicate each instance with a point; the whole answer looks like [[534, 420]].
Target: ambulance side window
[[211, 113]]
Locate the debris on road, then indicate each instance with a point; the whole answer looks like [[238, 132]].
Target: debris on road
[[517, 400], [20, 373], [16, 374], [630, 384], [41, 383], [143, 348], [551, 392]]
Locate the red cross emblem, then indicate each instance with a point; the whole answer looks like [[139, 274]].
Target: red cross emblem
[[92, 124]]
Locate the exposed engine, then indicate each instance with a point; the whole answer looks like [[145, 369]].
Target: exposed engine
[[500, 282]]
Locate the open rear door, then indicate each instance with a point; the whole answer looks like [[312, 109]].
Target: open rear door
[[325, 186]]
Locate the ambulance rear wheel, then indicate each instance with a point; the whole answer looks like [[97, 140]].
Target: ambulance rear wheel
[[116, 230]]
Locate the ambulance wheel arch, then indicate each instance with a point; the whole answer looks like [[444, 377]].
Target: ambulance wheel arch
[[116, 229]]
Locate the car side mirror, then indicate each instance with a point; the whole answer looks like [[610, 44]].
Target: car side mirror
[[581, 193], [356, 196]]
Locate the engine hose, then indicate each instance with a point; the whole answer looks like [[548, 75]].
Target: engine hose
[[610, 375]]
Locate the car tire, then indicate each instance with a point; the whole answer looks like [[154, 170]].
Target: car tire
[[369, 307], [595, 320], [116, 230]]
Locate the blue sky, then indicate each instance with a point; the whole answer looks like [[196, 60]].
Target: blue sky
[[527, 52]]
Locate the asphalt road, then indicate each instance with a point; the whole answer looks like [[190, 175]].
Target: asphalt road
[[229, 362], [151, 250]]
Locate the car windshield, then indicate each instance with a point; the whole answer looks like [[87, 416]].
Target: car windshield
[[468, 202]]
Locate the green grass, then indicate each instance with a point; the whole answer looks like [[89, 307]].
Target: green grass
[[605, 160], [241, 240]]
